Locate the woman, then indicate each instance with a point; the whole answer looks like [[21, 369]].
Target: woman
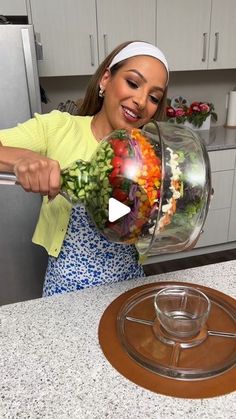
[[127, 90]]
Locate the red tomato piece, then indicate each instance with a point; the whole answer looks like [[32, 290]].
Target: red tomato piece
[[120, 147], [113, 141], [116, 181], [113, 174], [119, 195], [125, 152], [117, 162]]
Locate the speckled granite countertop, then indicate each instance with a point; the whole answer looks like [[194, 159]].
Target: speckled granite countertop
[[52, 365], [219, 138]]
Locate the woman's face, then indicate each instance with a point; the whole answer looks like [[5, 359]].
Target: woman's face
[[133, 93]]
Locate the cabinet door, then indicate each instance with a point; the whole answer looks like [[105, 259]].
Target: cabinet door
[[215, 230], [217, 222], [183, 32], [223, 34], [67, 32], [120, 21], [222, 183], [13, 8], [222, 160]]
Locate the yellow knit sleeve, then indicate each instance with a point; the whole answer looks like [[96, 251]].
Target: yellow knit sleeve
[[34, 133]]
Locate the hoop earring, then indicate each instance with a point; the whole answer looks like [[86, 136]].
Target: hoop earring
[[101, 92]]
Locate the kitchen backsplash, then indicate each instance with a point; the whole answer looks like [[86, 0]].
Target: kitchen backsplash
[[210, 86]]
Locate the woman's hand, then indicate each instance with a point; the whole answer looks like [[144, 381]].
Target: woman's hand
[[36, 173]]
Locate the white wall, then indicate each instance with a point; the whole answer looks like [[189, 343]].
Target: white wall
[[210, 85], [61, 89]]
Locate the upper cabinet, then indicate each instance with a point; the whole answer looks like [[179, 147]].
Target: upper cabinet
[[67, 31], [197, 35], [182, 32], [13, 7], [222, 50], [120, 21], [76, 35]]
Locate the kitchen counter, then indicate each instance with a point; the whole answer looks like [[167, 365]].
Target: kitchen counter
[[52, 365], [219, 138]]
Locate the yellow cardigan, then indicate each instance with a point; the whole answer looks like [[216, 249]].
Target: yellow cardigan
[[62, 137]]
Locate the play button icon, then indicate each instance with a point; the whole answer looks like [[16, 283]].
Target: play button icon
[[116, 210]]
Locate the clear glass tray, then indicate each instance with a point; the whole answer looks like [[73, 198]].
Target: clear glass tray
[[210, 353]]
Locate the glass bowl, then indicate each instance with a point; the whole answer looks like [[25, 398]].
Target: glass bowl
[[161, 173], [182, 311]]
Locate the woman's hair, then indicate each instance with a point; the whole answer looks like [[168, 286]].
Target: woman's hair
[[92, 102]]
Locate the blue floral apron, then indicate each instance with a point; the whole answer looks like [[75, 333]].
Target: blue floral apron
[[88, 259]]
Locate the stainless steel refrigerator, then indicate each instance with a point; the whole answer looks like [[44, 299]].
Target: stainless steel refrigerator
[[22, 264]]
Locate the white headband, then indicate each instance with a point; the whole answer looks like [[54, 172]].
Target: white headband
[[139, 48]]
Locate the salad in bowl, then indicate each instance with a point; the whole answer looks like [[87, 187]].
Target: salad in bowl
[[160, 172]]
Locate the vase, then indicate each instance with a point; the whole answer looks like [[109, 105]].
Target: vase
[[205, 126]]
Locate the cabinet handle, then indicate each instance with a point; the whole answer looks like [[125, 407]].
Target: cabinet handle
[[105, 40], [216, 46], [38, 47], [91, 42], [204, 46]]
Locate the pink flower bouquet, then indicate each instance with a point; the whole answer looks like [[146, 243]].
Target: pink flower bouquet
[[195, 114]]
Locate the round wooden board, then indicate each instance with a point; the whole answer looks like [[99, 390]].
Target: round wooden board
[[118, 357]]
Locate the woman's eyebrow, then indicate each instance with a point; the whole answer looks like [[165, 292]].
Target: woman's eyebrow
[[133, 70]]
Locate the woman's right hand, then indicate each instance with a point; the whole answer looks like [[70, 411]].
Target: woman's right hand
[[37, 173]]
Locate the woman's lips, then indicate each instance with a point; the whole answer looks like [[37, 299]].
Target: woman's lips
[[130, 115]]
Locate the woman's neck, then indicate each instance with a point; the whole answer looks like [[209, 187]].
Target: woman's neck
[[100, 126]]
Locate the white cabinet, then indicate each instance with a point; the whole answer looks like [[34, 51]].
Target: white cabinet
[[120, 21], [217, 226], [13, 7], [182, 30], [68, 33], [222, 183], [232, 224], [197, 35], [76, 35], [222, 50]]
